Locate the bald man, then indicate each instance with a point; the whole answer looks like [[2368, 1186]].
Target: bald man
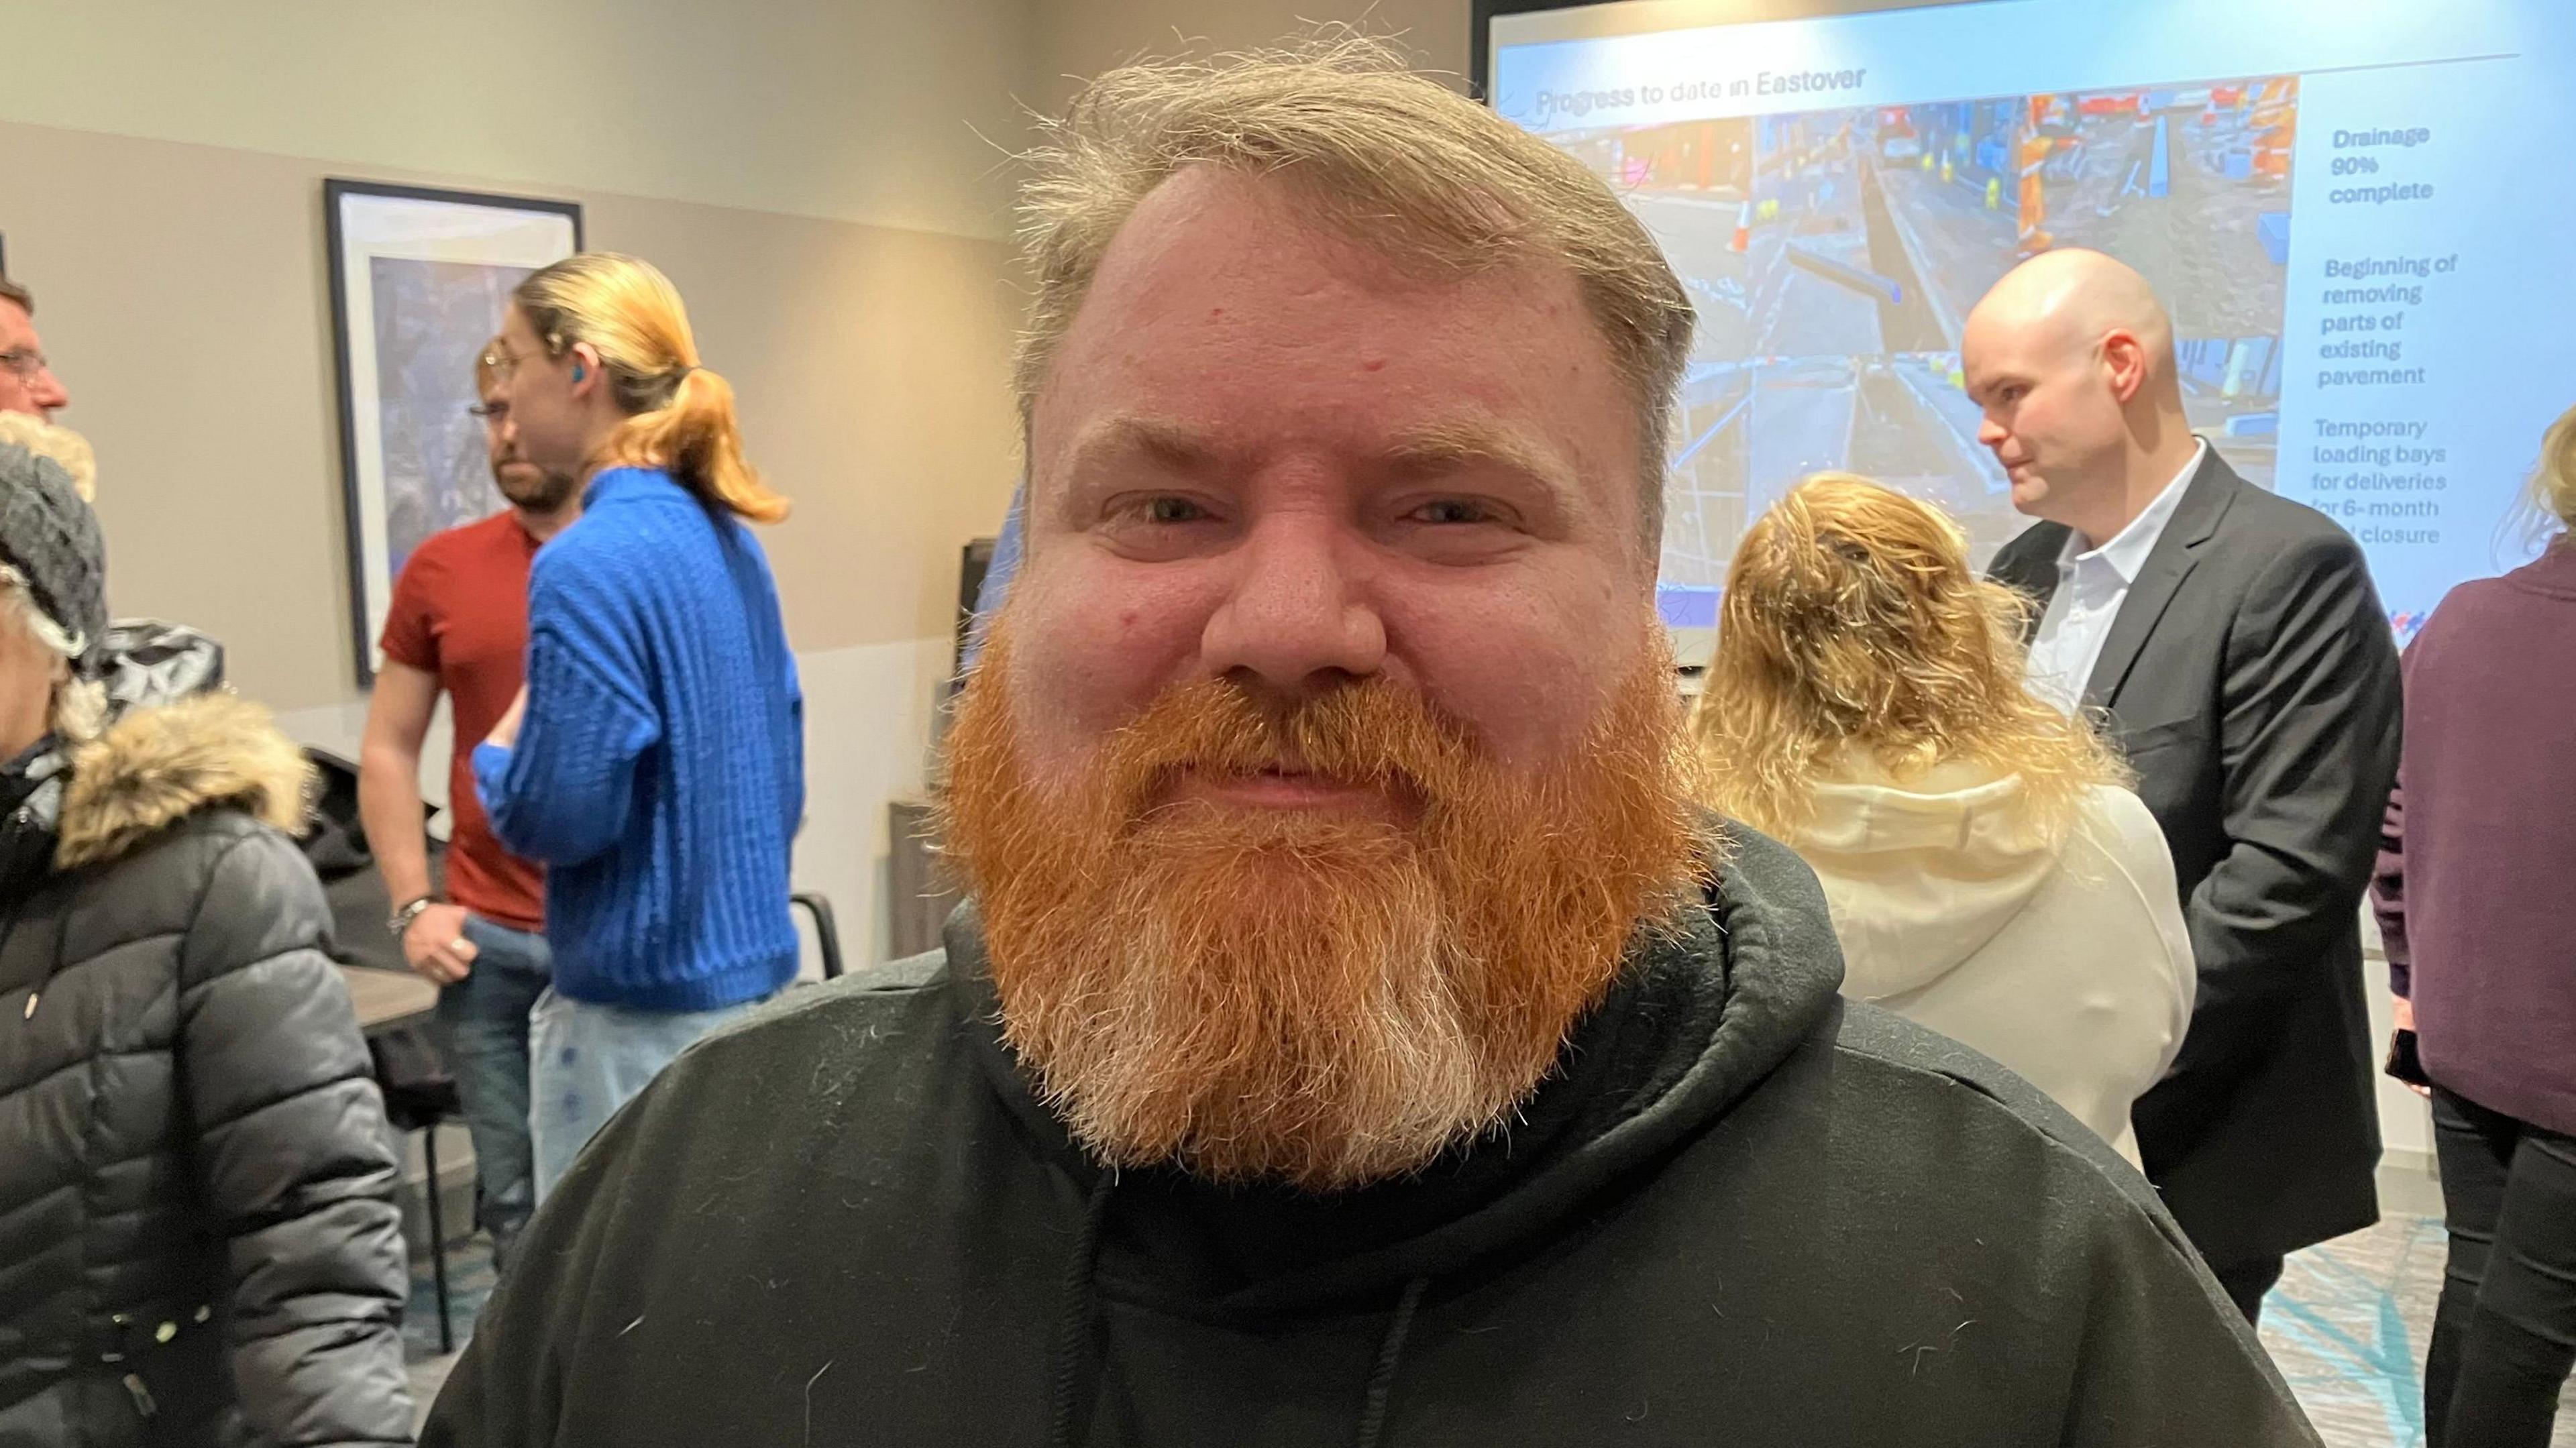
[[2236, 643]]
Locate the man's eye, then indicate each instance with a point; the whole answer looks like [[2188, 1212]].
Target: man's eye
[[1453, 511], [1173, 510]]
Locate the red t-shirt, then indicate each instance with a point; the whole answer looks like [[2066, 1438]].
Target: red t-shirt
[[460, 612]]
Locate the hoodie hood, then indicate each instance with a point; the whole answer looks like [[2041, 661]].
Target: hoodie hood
[[1705, 1005], [149, 663], [156, 767], [1921, 875], [141, 663]]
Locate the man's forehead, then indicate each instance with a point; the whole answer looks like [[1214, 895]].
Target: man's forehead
[[1208, 229], [1226, 266], [1208, 208], [1225, 329], [16, 327], [2014, 340]]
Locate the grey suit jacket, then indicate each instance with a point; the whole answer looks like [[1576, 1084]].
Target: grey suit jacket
[[2251, 678]]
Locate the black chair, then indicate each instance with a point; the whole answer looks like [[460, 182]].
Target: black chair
[[420, 1095], [827, 935]]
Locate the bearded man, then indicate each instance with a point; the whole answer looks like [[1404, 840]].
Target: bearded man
[[458, 625], [1353, 1036]]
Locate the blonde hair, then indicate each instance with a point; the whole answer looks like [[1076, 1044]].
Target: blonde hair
[[1853, 625], [680, 416], [2553, 483], [1392, 160], [59, 443], [78, 710]]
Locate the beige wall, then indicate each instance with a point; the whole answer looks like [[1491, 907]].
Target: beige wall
[[182, 295], [862, 110], [815, 174], [1078, 38], [873, 369]]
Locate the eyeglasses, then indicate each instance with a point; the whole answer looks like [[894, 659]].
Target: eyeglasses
[[27, 362], [501, 362]]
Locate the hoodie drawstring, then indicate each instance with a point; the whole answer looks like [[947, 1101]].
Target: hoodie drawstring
[[1382, 1378], [1073, 1335]]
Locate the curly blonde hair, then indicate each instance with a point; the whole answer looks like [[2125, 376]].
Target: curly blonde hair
[[59, 443], [1854, 625], [77, 712]]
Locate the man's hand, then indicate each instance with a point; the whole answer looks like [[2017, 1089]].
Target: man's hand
[[506, 733], [2402, 1010], [436, 946]]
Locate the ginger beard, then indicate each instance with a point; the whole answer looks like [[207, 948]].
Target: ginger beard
[[1304, 996]]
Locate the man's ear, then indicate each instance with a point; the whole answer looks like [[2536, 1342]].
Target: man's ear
[[2124, 363]]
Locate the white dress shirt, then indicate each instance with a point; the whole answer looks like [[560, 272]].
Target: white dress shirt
[[2091, 586]]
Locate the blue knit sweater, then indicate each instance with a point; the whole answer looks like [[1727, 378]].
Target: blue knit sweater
[[659, 773]]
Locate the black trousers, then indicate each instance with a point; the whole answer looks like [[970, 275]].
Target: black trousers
[[2246, 1282], [2504, 1337]]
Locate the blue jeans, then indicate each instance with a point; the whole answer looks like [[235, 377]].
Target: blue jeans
[[485, 1021], [588, 1059]]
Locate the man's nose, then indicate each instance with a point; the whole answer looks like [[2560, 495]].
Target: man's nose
[[1295, 616]]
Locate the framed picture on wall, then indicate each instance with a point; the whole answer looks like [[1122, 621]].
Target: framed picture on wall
[[419, 280]]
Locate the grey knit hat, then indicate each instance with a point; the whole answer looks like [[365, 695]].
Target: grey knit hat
[[51, 538]]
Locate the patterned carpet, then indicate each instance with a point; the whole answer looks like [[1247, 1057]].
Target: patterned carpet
[[469, 1281], [2347, 1326]]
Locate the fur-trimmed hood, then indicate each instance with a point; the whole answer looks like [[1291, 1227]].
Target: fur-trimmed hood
[[157, 766]]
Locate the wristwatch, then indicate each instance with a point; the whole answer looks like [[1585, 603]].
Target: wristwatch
[[400, 921]]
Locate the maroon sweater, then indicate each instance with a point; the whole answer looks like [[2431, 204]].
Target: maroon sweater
[[2476, 890]]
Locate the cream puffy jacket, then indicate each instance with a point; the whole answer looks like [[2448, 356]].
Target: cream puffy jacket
[[2068, 963]]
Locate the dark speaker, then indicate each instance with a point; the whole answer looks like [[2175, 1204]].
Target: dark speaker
[[973, 562]]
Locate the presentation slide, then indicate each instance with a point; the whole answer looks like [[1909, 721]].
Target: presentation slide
[[2361, 213]]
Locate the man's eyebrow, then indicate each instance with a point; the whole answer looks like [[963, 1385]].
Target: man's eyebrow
[[1102, 455], [1166, 442], [1451, 446]]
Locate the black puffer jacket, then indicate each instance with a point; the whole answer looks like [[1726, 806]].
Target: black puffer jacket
[[198, 1243]]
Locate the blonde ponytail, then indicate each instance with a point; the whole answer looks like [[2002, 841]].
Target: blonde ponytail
[[696, 435], [680, 416]]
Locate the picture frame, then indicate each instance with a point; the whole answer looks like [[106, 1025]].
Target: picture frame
[[420, 278]]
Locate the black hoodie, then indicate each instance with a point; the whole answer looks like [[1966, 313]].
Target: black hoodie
[[1741, 1213]]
